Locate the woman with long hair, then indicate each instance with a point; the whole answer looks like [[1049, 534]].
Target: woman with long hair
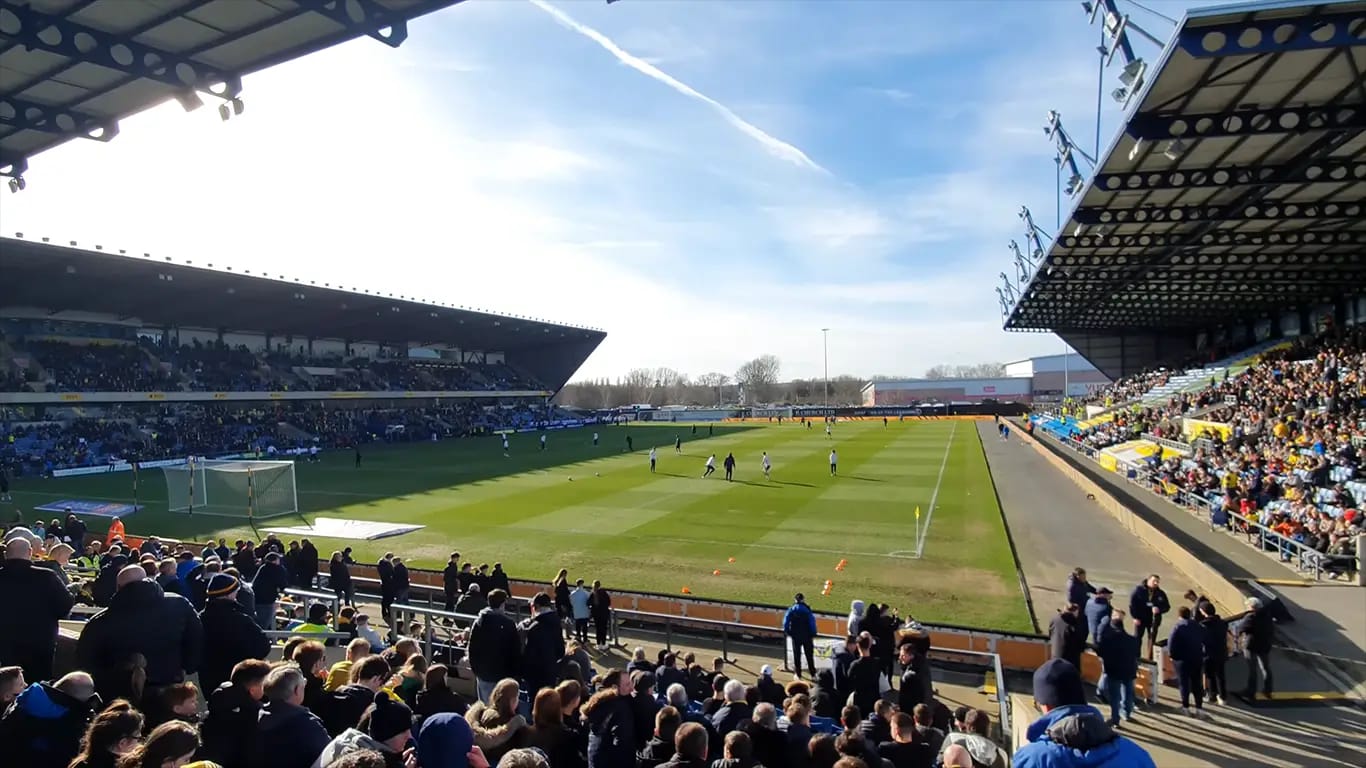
[[113, 733], [436, 695], [169, 745], [549, 734], [496, 725], [562, 606]]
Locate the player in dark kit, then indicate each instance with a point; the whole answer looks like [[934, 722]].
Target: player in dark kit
[[630, 444], [357, 447], [4, 484], [730, 465], [678, 444]]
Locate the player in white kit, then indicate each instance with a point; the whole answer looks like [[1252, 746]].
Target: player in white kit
[[768, 466], [711, 465], [505, 444], [653, 456]]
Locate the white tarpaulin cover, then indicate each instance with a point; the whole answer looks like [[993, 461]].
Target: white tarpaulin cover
[[337, 528]]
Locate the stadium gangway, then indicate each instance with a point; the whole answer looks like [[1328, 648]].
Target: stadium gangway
[[1305, 559], [276, 635]]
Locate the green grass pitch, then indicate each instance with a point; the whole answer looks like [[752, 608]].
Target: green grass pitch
[[661, 532]]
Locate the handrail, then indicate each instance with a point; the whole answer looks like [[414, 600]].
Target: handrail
[[1306, 559]]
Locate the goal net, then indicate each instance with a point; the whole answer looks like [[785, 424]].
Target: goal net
[[232, 488]]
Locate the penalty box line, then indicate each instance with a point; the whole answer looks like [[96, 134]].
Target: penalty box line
[[934, 496]]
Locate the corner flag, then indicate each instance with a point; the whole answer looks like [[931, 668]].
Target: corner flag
[[917, 513]]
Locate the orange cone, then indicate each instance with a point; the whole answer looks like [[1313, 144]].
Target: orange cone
[[716, 572], [686, 591], [731, 560]]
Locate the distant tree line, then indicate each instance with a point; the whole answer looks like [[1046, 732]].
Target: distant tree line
[[757, 379]]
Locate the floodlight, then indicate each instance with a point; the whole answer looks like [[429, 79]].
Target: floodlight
[[1074, 184], [238, 106], [1120, 94], [1132, 74], [1174, 150], [1138, 147], [223, 112], [17, 184], [189, 100]]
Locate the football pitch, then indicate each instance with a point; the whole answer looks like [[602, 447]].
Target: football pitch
[[600, 512]]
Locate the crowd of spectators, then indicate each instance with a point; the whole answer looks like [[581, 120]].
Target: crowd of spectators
[[171, 615], [1283, 450], [217, 367], [171, 431]]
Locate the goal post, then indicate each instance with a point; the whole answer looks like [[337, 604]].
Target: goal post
[[232, 487]]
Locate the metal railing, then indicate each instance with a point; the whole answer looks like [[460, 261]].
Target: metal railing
[[1301, 557]]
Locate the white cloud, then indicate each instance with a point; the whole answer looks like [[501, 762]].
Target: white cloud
[[772, 144]]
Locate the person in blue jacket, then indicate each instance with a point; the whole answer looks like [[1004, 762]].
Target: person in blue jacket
[[799, 624], [1098, 613], [1186, 647], [1118, 651], [1071, 733]]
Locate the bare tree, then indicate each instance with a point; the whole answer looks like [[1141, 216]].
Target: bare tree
[[758, 376], [638, 385], [976, 371], [714, 382]]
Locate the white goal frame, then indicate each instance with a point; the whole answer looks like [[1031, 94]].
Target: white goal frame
[[194, 497]]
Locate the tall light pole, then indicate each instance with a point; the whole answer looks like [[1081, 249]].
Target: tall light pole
[[825, 352]]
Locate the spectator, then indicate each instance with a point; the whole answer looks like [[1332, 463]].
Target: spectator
[[401, 581], [1067, 635], [660, 747], [496, 725], [1186, 647], [114, 732], [549, 734], [1214, 638], [639, 662], [231, 634], [346, 704], [823, 751], [1071, 733], [600, 608], [579, 601], [853, 746], [493, 646], [766, 744], [645, 706], [171, 743], [976, 739], [611, 723], [840, 666], [385, 728], [738, 752], [865, 675], [689, 712], [270, 583], [1118, 652], [436, 695], [1147, 604], [450, 581], [769, 691], [308, 563], [1079, 590], [916, 686], [877, 726], [799, 624], [44, 725], [925, 727], [824, 696], [11, 684], [32, 601], [544, 644], [339, 579], [735, 711], [1256, 630], [230, 726], [141, 622], [796, 752], [1098, 612], [340, 673], [446, 739], [690, 748], [311, 657], [471, 603], [907, 749], [288, 736], [367, 633]]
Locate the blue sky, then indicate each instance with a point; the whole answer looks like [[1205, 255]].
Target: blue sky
[[706, 181]]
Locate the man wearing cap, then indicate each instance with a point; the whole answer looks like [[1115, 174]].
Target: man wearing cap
[[799, 624], [231, 634], [386, 727], [1071, 732]]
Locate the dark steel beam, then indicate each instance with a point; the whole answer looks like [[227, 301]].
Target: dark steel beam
[[1180, 214], [45, 32], [363, 17], [1333, 30], [1216, 238], [1246, 122], [31, 116]]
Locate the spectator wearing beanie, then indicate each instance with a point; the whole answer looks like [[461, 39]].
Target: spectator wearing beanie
[[1071, 732], [446, 740], [231, 635], [385, 728]]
